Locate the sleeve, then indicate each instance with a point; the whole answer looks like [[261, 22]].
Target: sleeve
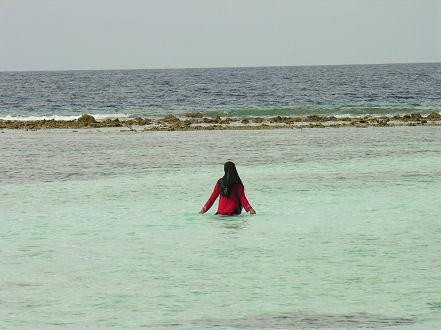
[[243, 199], [212, 198]]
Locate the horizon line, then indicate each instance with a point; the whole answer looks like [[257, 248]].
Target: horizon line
[[219, 67]]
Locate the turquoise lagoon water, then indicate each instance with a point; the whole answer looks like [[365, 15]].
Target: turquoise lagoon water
[[100, 229]]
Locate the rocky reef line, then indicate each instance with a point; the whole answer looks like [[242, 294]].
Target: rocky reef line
[[196, 121]]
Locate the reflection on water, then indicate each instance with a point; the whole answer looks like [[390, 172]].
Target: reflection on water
[[307, 320], [232, 223], [235, 225]]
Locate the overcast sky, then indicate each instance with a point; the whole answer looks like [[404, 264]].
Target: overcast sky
[[144, 34]]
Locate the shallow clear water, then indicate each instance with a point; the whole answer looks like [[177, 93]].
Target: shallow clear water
[[100, 229]]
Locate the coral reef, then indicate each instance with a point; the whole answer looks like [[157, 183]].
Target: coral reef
[[195, 121]]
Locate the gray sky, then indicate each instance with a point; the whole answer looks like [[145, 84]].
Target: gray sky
[[144, 34]]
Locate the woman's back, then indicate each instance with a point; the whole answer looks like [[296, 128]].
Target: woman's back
[[232, 194]]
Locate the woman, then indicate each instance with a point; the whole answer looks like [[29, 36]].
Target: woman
[[232, 195]]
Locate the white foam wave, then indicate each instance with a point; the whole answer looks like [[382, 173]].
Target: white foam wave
[[101, 116]]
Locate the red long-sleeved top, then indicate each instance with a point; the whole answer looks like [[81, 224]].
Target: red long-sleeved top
[[229, 205]]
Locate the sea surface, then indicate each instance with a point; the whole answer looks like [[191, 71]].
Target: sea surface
[[261, 91], [99, 227]]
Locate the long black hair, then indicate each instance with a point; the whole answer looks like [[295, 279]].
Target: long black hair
[[230, 178]]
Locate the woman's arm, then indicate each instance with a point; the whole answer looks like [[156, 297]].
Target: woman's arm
[[244, 201], [211, 200]]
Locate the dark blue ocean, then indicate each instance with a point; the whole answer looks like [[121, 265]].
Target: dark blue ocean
[[264, 91]]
